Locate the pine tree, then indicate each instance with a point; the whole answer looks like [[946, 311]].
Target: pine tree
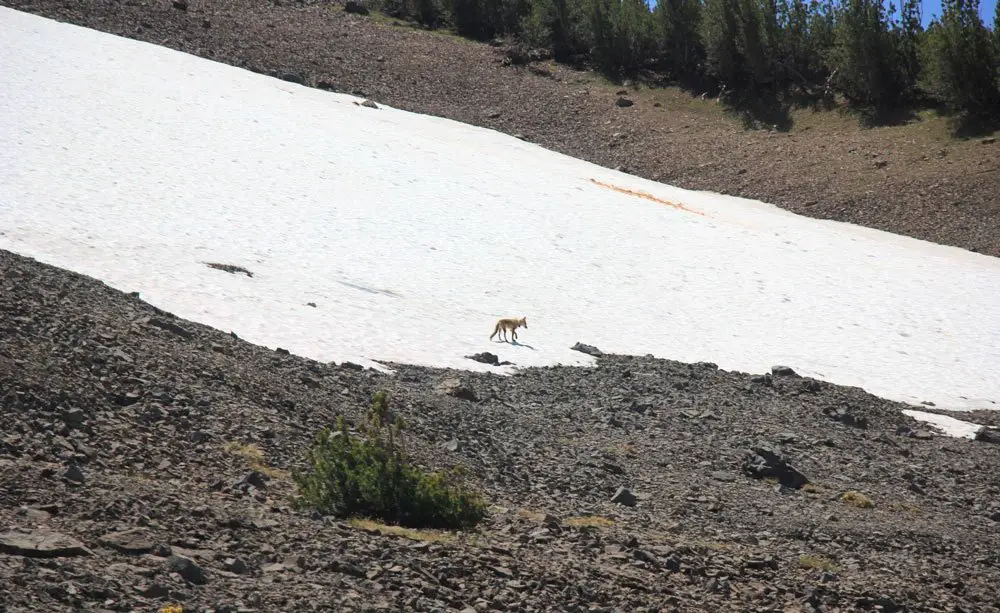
[[822, 42], [680, 40], [555, 24], [807, 36], [634, 36], [621, 34], [720, 33], [909, 35], [601, 33], [961, 61], [996, 32], [769, 41], [865, 57]]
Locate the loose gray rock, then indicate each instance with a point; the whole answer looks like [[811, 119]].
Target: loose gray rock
[[169, 326], [783, 371], [456, 389], [588, 349], [75, 418], [35, 515], [136, 540], [623, 102], [235, 565], [762, 463], [253, 478], [624, 496], [41, 544], [186, 568], [810, 385], [74, 473], [846, 417], [724, 476], [765, 561], [154, 590], [988, 435], [485, 358]]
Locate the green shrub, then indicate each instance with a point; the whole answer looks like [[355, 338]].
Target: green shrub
[[368, 475]]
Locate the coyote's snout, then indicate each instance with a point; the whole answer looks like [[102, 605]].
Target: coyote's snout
[[509, 324]]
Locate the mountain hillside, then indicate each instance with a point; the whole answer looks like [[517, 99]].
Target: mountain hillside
[[148, 459]]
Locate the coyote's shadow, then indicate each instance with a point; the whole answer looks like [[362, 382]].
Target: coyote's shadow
[[516, 344]]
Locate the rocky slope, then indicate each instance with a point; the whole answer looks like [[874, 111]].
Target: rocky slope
[[144, 459], [911, 179]]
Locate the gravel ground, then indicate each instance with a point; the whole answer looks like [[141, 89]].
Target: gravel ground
[[151, 455]]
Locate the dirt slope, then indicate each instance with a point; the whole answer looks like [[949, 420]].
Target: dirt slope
[[912, 179]]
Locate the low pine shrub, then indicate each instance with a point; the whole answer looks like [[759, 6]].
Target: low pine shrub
[[368, 475]]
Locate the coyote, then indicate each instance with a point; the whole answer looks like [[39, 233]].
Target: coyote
[[509, 324]]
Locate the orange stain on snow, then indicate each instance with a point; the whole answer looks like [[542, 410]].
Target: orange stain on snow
[[632, 192]]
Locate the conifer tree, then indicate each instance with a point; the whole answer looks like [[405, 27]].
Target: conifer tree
[[961, 61], [680, 40]]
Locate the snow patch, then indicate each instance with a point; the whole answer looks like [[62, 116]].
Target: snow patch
[[411, 235], [946, 425]]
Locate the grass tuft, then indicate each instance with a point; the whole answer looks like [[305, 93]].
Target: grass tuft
[[857, 499], [818, 562], [589, 521], [254, 458], [431, 536], [535, 516], [624, 449]]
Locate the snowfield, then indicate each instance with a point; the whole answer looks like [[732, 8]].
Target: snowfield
[[139, 165]]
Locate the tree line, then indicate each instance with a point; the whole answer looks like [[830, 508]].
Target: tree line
[[880, 59]]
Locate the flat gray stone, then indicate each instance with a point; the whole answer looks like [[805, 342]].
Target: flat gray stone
[[136, 540], [41, 545], [625, 497], [186, 568]]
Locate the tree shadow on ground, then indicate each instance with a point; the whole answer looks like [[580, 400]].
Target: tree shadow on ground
[[974, 126], [758, 110], [761, 110], [887, 117]]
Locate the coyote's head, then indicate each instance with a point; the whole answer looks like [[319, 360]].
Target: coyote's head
[[523, 322]]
